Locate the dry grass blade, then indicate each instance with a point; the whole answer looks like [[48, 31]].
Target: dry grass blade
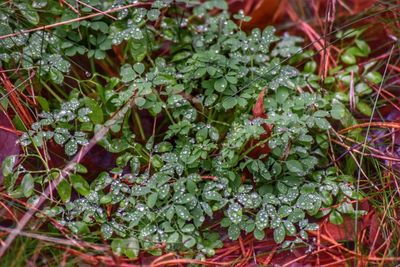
[[367, 134], [55, 240]]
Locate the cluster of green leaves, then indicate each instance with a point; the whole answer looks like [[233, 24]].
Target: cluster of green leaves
[[65, 126], [203, 88], [351, 80]]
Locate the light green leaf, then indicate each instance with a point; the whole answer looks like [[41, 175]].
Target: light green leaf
[[364, 108], [64, 190], [335, 217], [27, 185], [128, 247], [374, 77], [348, 59], [338, 111], [79, 227], [363, 47], [80, 184], [220, 85], [363, 89], [8, 165]]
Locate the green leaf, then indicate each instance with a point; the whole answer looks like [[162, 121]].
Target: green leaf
[[234, 213], [180, 56], [106, 199], [305, 202], [182, 212], [127, 73], [153, 14], [322, 123], [282, 93], [279, 234], [363, 47], [220, 85], [188, 241], [259, 234], [152, 200], [296, 215], [232, 79], [363, 89], [140, 101], [173, 238], [64, 190], [335, 217], [128, 247], [338, 111], [229, 103], [262, 219], [139, 68], [27, 185], [106, 231], [29, 13], [348, 59], [200, 72], [374, 77], [346, 208], [364, 108], [284, 211], [71, 147], [117, 246], [96, 115], [8, 165], [290, 228], [80, 184], [79, 227], [295, 166], [44, 104], [310, 66], [79, 168], [188, 228], [234, 231], [131, 249]]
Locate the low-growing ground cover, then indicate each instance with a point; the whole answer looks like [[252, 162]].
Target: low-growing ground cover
[[169, 127]]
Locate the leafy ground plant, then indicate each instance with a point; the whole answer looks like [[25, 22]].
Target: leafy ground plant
[[214, 125]]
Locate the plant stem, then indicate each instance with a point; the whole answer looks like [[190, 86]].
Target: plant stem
[[51, 91], [139, 124]]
